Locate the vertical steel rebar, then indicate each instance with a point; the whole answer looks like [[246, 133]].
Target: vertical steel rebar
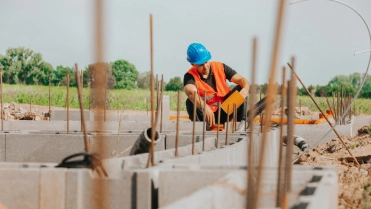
[[2, 107], [162, 99], [251, 173], [324, 115], [290, 128], [30, 104], [333, 105], [234, 118], [281, 168], [100, 188], [68, 104], [338, 108], [194, 122], [226, 130], [50, 112], [218, 127], [82, 117], [204, 123], [270, 93], [105, 94], [300, 107], [177, 125], [151, 155]]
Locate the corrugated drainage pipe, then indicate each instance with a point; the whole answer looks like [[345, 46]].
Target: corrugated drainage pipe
[[143, 143]]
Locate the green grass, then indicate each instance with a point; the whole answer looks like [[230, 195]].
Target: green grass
[[138, 99]]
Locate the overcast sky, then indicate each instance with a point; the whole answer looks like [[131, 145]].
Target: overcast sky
[[323, 35]]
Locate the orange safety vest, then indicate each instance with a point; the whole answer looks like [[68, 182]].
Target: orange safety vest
[[212, 96]]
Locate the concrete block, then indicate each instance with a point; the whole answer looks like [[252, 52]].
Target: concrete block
[[42, 148], [189, 182], [81, 191], [74, 115], [52, 188], [2, 148], [19, 188], [123, 144]]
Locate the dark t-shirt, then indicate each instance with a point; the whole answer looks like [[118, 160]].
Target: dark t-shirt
[[210, 80]]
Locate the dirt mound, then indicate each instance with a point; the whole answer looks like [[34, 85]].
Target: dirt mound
[[13, 111], [298, 111], [354, 183]]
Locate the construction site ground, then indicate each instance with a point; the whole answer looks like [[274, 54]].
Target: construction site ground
[[354, 183]]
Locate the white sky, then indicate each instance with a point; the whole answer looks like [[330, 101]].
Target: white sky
[[323, 35]]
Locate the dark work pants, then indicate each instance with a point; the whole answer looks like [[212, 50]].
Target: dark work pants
[[241, 111]]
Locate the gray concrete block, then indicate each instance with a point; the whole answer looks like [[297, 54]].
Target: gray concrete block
[[124, 144], [52, 188], [74, 115], [19, 188], [2, 148], [42, 148], [81, 191]]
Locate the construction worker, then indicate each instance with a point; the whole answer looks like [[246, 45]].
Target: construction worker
[[211, 76]]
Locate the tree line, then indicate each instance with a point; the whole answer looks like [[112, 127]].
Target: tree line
[[24, 66]]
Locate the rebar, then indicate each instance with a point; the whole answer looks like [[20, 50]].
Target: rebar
[[68, 103], [226, 130], [50, 112], [194, 122], [204, 122], [153, 129], [281, 168], [177, 125], [162, 99], [251, 173], [315, 103], [218, 127], [82, 117], [270, 93], [2, 107]]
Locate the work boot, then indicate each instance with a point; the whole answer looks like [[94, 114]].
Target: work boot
[[215, 127], [241, 126]]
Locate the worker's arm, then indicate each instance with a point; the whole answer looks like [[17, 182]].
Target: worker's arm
[[238, 79], [190, 90]]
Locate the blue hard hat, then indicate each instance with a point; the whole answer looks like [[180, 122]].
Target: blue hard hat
[[197, 54]]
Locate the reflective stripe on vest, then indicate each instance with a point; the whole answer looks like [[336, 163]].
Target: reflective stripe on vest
[[212, 96]]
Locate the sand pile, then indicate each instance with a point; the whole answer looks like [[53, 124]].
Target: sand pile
[[12, 111]]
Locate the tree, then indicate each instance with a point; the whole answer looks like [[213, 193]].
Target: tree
[[143, 80], [22, 65], [60, 76], [125, 74], [174, 84]]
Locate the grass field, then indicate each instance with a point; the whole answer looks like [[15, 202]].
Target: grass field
[[130, 99]]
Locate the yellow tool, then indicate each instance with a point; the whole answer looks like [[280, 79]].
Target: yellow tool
[[235, 98]]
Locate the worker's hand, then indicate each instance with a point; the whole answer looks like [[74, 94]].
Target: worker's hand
[[209, 116], [244, 92]]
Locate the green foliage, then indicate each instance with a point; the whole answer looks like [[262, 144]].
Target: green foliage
[[125, 74], [174, 84], [22, 65], [143, 80]]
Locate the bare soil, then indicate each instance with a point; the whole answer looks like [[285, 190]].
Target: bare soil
[[354, 183]]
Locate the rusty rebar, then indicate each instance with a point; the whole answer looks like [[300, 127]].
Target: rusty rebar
[[68, 103], [105, 95], [281, 168], [194, 123], [333, 105], [100, 188], [177, 125], [226, 130], [251, 173], [270, 93], [218, 127], [234, 118], [324, 115], [162, 99], [30, 104], [81, 103], [50, 112], [338, 108], [204, 122], [292, 92], [2, 102], [153, 129]]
